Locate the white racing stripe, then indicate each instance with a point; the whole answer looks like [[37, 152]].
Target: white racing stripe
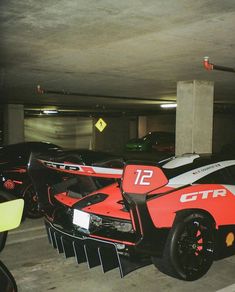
[[180, 160], [80, 168], [193, 175]]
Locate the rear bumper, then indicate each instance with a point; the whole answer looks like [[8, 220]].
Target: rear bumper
[[95, 252]]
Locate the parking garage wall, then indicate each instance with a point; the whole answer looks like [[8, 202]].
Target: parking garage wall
[[223, 127], [161, 122], [79, 132], [115, 135], [68, 132], [224, 130]]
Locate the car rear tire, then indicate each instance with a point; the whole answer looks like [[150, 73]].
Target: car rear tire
[[32, 209], [3, 238], [190, 247]]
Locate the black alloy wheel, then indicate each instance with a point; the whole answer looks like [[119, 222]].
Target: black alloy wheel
[[31, 203], [189, 249]]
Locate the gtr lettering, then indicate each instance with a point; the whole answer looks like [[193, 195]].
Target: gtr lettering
[[203, 195]]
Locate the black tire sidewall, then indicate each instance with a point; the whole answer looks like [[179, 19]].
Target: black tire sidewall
[[29, 213], [176, 232]]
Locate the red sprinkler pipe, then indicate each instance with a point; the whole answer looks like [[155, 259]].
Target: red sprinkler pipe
[[209, 66]]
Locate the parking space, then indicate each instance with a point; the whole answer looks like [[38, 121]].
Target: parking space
[[37, 267]]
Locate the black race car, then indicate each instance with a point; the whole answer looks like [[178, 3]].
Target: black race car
[[13, 172], [177, 214], [15, 179]]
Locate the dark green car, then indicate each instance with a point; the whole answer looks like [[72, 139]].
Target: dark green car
[[153, 141]]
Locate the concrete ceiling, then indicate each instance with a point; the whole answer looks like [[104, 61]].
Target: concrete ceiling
[[124, 48]]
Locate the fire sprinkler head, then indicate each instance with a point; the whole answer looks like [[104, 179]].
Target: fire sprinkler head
[[207, 64]]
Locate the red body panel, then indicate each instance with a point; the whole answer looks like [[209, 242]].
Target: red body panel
[[111, 206], [64, 199], [162, 209], [215, 199]]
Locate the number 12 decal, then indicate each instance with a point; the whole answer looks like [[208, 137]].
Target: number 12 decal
[[142, 176]]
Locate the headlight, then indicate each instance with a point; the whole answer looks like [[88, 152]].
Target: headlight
[[123, 226], [89, 223], [103, 222]]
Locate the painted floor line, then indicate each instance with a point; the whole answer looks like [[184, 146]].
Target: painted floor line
[[230, 288], [27, 230], [9, 242]]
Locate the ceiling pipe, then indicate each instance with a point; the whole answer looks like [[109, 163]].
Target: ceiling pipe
[[210, 66], [41, 90]]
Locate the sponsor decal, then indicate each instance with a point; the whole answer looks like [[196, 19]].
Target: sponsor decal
[[230, 239], [83, 169], [194, 175], [207, 168], [203, 195], [61, 166]]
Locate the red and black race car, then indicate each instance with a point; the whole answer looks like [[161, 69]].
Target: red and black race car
[[177, 214]]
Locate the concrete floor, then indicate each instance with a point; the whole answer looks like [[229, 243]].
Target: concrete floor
[[37, 267]]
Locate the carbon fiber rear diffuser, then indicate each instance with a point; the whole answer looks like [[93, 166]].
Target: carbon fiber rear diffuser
[[94, 252]]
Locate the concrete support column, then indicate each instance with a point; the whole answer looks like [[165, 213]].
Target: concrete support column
[[142, 126], [194, 116], [13, 123]]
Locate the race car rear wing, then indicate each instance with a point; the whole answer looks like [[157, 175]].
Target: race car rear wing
[[81, 169], [51, 177]]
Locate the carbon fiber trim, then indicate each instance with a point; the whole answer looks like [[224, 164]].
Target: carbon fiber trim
[[67, 247], [94, 252], [58, 243]]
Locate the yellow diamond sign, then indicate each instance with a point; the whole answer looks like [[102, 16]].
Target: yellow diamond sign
[[100, 125]]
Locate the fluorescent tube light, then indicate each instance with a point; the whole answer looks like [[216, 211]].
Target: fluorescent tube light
[[48, 112], [168, 105]]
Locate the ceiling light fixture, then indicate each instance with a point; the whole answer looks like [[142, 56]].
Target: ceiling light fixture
[[168, 105], [48, 112]]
